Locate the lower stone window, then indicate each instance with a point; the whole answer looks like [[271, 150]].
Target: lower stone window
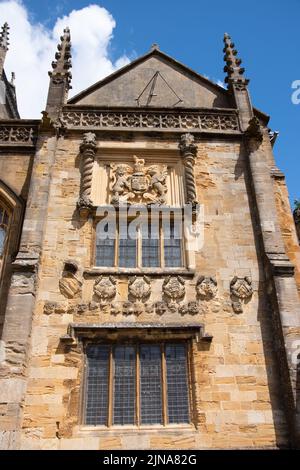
[[137, 384]]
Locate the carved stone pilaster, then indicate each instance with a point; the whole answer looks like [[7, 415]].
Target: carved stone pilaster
[[189, 152], [88, 150]]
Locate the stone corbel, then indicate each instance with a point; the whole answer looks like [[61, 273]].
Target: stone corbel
[[254, 132], [88, 150], [188, 151]]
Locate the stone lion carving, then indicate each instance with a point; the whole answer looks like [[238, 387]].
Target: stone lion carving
[[105, 289], [174, 289], [241, 290], [206, 287]]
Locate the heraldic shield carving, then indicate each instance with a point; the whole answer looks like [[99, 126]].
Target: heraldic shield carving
[[138, 184]]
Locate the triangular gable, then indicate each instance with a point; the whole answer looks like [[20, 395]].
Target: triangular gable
[[154, 80]]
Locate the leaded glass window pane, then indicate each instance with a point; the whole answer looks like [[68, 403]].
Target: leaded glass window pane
[[127, 253], [124, 385], [2, 240], [105, 250], [172, 245], [177, 383], [151, 247], [4, 220], [97, 385], [150, 384]]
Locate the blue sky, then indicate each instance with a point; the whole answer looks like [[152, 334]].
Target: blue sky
[[266, 34]]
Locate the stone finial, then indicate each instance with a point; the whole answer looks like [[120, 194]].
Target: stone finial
[[235, 73], [4, 37], [154, 47], [62, 64]]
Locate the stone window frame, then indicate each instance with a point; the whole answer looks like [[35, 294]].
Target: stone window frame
[[16, 207], [139, 267], [136, 341]]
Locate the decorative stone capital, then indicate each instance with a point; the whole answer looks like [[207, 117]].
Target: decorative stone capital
[[187, 145], [89, 142]]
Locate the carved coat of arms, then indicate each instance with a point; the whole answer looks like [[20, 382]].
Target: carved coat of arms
[[138, 183]]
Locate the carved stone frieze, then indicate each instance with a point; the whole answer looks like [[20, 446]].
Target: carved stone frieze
[[241, 291], [206, 287], [105, 289], [197, 121], [18, 135], [161, 308], [138, 183]]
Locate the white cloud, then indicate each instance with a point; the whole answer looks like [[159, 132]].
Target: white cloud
[[33, 46]]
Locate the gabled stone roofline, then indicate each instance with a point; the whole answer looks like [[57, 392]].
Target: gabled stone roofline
[[139, 60]]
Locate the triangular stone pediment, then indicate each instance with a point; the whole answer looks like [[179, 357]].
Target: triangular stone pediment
[[154, 80]]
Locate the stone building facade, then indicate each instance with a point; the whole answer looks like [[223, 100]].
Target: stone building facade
[[183, 340]]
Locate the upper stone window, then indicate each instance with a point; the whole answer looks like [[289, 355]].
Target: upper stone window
[[144, 242]]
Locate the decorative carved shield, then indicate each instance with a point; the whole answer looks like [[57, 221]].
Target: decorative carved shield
[[174, 288], [206, 287], [105, 289], [241, 288], [139, 288], [69, 285], [139, 183]]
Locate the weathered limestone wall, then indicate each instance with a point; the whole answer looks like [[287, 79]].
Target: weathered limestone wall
[[14, 171], [236, 399]]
